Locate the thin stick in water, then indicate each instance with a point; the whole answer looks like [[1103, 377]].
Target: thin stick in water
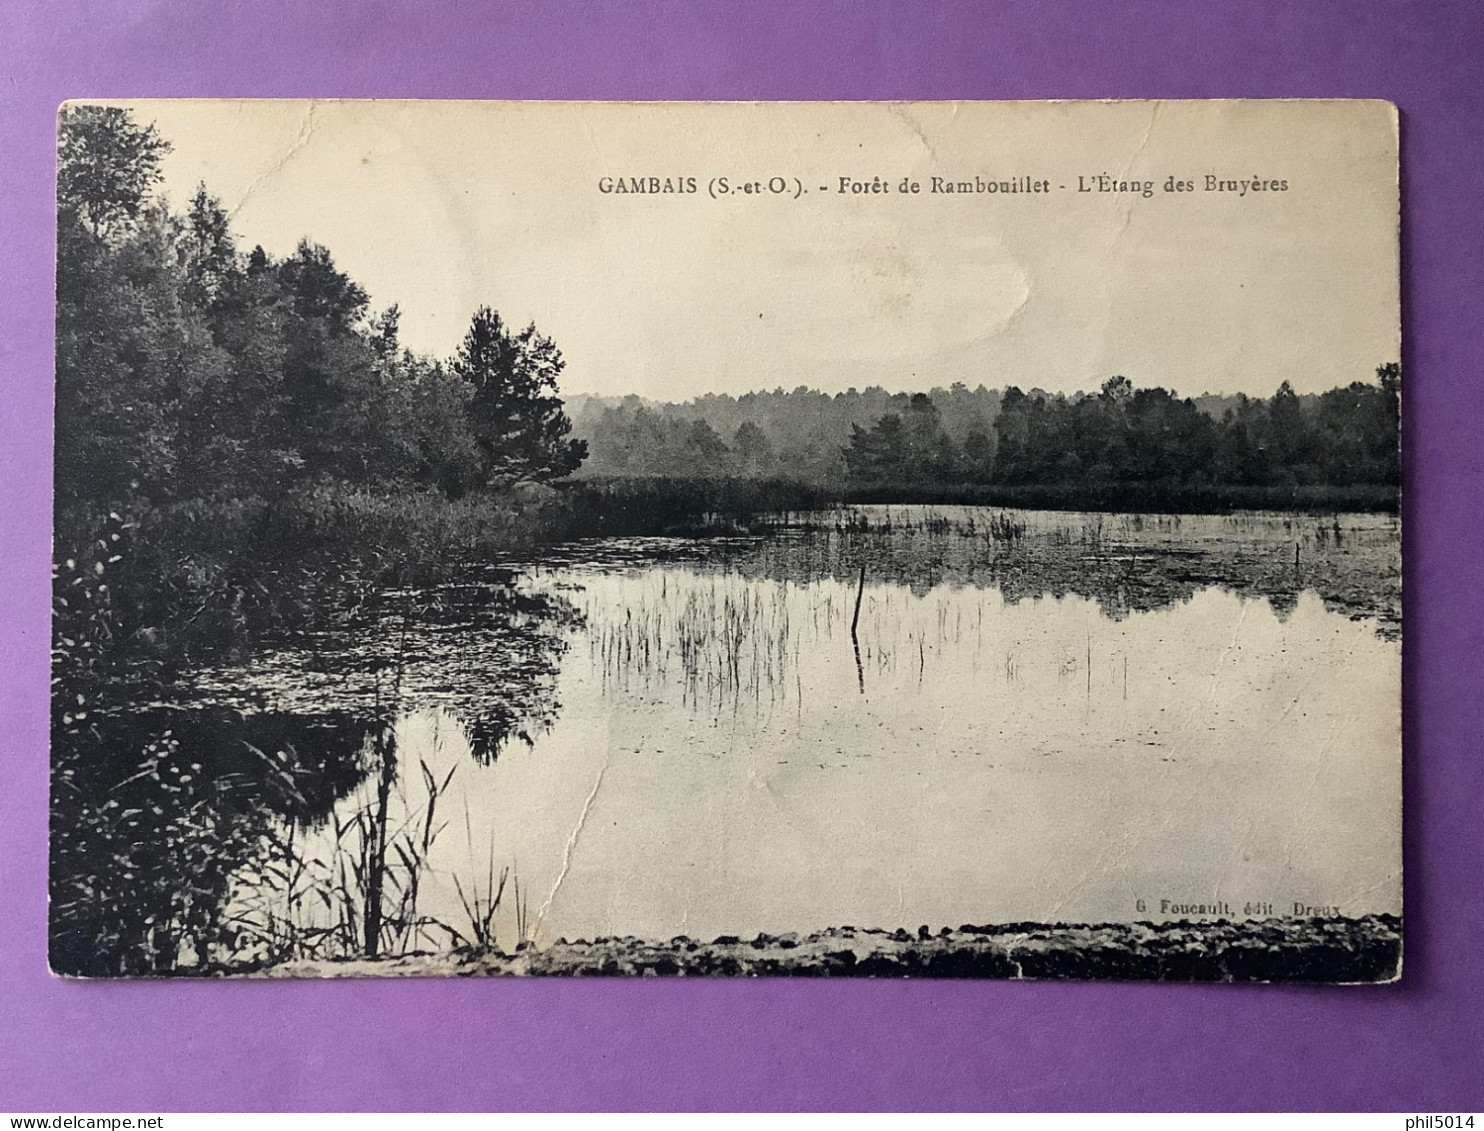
[[859, 591], [860, 671]]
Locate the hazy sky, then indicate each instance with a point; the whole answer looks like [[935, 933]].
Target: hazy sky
[[443, 206]]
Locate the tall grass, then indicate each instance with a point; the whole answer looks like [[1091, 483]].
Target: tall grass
[[1139, 497], [354, 893], [594, 508], [727, 638]]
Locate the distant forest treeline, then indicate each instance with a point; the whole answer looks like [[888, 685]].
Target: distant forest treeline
[[1345, 437]]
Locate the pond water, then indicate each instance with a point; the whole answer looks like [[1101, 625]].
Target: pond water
[[1044, 718]]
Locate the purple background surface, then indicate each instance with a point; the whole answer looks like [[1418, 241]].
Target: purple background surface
[[493, 1045]]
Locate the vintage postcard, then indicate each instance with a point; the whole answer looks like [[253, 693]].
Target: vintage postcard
[[941, 539]]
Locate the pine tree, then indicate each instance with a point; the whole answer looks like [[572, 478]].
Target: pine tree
[[516, 415]]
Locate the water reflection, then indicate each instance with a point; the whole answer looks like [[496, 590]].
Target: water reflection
[[1031, 760], [1123, 562], [717, 770], [908, 715], [486, 651], [183, 846]]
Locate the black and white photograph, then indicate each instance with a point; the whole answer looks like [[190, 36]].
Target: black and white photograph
[[727, 539]]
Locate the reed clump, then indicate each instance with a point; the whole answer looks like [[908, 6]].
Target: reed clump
[[725, 637], [351, 892]]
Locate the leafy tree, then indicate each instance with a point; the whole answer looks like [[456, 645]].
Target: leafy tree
[[447, 455], [124, 341], [752, 450], [1386, 429], [1116, 390], [385, 328], [705, 448], [107, 165], [1357, 430], [518, 420], [1013, 433], [978, 456], [878, 454], [208, 249], [1288, 441], [1240, 456], [931, 456], [319, 293]]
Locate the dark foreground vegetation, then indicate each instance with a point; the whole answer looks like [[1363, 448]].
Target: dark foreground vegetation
[[1367, 949]]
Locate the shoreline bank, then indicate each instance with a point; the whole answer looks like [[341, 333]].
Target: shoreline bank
[[1362, 950]]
